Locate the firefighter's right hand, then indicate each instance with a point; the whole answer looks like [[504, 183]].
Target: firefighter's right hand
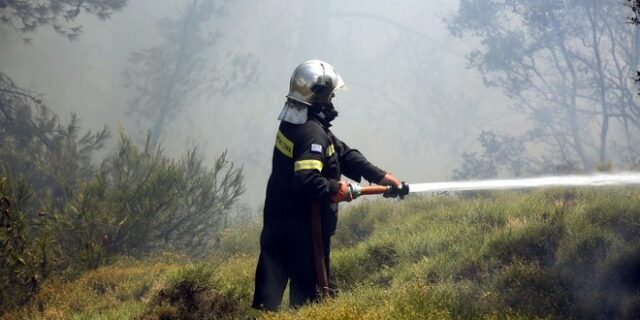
[[346, 192]]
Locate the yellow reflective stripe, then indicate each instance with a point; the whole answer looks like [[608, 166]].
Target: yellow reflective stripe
[[307, 165], [284, 145], [330, 150]]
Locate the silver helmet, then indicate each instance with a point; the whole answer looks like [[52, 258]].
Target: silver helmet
[[314, 81]]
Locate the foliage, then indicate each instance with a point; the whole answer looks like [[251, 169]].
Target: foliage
[[116, 291], [165, 286], [359, 224], [567, 66], [192, 293], [21, 265], [240, 239], [42, 163], [141, 201], [36, 147], [635, 8], [62, 213], [28, 16], [500, 153]]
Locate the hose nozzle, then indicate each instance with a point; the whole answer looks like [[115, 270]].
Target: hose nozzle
[[394, 192]]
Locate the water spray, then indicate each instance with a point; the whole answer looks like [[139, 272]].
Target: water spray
[[593, 180]]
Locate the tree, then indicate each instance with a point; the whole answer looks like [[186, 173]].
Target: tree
[[635, 7], [168, 77], [421, 100], [23, 253], [567, 66], [33, 139], [500, 154], [42, 165], [25, 16], [50, 157]]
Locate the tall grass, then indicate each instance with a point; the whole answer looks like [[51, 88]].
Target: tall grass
[[554, 254]]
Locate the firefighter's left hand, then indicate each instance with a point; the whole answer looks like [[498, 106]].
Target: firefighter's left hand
[[390, 180]]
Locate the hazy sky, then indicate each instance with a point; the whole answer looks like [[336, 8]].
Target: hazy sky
[[412, 107]]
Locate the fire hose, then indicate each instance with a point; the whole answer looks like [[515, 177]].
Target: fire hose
[[316, 228], [591, 180]]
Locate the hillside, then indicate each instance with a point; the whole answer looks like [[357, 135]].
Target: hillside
[[545, 254]]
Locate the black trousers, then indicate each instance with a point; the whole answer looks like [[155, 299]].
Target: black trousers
[[286, 255]]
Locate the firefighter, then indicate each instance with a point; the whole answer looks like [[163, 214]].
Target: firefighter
[[308, 161]]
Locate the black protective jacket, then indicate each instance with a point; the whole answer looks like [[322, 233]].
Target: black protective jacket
[[308, 161]]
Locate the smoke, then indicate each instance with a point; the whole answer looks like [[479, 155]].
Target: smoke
[[412, 106]]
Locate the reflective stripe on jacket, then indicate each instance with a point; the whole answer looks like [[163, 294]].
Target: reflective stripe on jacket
[[308, 161]]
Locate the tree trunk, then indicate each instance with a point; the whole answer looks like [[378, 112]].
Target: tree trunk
[[602, 90], [166, 102]]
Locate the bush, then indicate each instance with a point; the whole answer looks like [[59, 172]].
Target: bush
[[240, 240], [358, 222], [52, 158], [532, 290], [536, 242], [141, 201], [368, 263], [192, 293], [584, 248], [622, 217], [611, 292], [24, 245], [78, 215]]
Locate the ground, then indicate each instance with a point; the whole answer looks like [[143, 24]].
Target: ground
[[561, 253]]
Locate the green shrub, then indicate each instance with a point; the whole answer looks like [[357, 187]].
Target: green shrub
[[485, 216], [25, 257], [535, 242], [243, 239], [630, 307], [358, 222], [534, 291], [611, 291], [192, 293], [79, 215], [600, 255], [623, 269], [620, 216], [368, 263], [584, 247]]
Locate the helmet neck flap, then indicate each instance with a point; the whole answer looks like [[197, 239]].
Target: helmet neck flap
[[298, 113], [311, 89]]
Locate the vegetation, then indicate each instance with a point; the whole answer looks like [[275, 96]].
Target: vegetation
[[61, 213], [130, 233], [28, 16], [568, 254], [568, 67]]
